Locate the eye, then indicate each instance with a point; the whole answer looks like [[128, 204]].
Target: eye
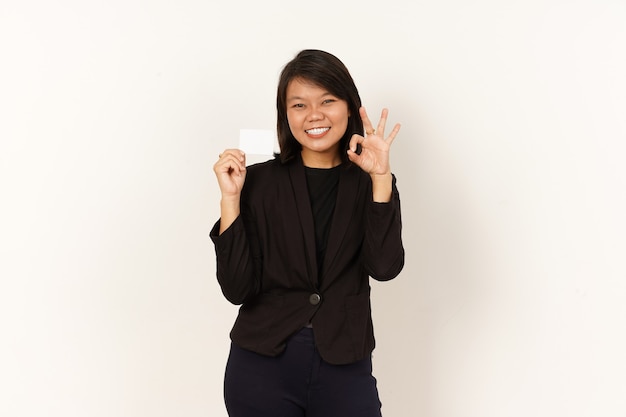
[[298, 106], [329, 101]]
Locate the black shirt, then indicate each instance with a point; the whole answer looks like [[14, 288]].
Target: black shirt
[[322, 184]]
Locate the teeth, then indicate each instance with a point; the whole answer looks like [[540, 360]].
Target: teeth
[[317, 130]]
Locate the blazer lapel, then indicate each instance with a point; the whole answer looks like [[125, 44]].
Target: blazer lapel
[[344, 211], [305, 215]]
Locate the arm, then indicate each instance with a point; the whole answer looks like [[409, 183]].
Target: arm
[[236, 265], [383, 252]]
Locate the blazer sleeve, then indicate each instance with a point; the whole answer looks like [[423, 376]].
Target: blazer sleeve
[[238, 262], [383, 256]]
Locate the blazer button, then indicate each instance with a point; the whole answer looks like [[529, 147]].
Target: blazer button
[[315, 299]]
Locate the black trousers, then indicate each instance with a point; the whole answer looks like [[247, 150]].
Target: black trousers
[[298, 383]]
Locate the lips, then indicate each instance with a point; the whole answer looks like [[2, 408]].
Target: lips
[[317, 131]]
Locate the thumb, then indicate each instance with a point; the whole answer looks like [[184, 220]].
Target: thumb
[[355, 144]]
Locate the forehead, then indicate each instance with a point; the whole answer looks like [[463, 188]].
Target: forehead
[[303, 88]]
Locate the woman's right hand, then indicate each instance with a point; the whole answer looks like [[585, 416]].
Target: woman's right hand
[[230, 170]]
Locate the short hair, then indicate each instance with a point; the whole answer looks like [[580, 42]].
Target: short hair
[[326, 71]]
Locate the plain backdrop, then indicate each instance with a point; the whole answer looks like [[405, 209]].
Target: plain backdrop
[[510, 164]]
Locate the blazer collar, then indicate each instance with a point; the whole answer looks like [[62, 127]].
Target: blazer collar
[[345, 205]]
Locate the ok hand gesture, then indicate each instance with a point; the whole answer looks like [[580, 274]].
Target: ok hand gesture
[[374, 156]]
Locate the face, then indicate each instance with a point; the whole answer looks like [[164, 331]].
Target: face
[[318, 120]]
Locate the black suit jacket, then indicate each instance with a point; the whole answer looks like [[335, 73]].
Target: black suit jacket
[[266, 261]]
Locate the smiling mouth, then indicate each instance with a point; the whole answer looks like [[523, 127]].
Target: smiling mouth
[[317, 130]]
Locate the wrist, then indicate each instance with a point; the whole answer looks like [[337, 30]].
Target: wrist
[[230, 207], [229, 199], [229, 211], [382, 187], [381, 177]]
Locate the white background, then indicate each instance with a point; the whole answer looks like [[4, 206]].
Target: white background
[[510, 164]]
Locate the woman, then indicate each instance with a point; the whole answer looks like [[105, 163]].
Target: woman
[[297, 240]]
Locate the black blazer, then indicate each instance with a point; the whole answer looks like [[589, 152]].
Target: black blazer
[[266, 261]]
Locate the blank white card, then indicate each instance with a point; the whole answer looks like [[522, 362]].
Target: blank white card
[[257, 141]]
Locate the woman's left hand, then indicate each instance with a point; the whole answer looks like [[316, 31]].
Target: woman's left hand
[[374, 156]]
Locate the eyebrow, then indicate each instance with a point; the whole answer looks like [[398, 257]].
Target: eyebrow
[[301, 98]]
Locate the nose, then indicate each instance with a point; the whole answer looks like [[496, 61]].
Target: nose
[[315, 114]]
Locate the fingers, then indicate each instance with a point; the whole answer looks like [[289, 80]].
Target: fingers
[[230, 170], [355, 143], [236, 153], [231, 160], [367, 124], [382, 122], [393, 134], [355, 148]]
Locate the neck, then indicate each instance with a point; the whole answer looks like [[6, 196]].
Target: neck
[[319, 160]]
